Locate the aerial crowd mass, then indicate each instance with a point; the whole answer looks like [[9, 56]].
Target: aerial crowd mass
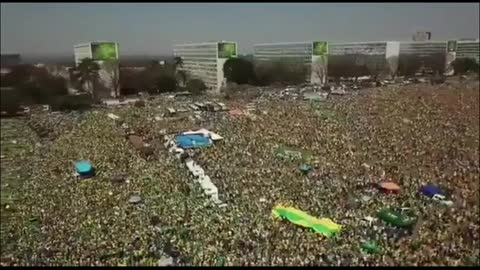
[[380, 176]]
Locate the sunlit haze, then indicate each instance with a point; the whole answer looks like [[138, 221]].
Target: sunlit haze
[[51, 29]]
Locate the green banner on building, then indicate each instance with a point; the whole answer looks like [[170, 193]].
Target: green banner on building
[[104, 51], [227, 50]]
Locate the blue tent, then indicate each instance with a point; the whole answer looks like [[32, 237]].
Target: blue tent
[[192, 141], [84, 168], [430, 190]]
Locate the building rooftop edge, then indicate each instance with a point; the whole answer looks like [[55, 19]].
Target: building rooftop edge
[[95, 41], [205, 43]]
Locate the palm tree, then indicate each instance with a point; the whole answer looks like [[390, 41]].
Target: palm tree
[[178, 62], [87, 73], [113, 68], [181, 77], [180, 74]]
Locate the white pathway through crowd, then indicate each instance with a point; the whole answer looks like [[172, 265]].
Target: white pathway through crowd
[[198, 173]]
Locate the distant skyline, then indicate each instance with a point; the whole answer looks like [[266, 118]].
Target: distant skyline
[[51, 29]]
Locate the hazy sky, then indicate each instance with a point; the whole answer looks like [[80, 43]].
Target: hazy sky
[[153, 28]]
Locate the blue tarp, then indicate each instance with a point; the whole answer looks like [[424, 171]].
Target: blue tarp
[[84, 168], [192, 141], [431, 190]]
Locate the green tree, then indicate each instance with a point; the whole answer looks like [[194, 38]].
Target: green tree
[[34, 84], [10, 100], [180, 74], [165, 82], [149, 78], [178, 62], [18, 75], [282, 71], [465, 65], [238, 70], [196, 86], [87, 73], [181, 77], [158, 78], [113, 69]]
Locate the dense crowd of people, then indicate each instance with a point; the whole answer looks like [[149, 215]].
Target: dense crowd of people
[[411, 135]]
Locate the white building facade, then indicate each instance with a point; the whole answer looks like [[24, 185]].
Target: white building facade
[[320, 56], [291, 52], [429, 55], [205, 61], [372, 58], [468, 49], [105, 54]]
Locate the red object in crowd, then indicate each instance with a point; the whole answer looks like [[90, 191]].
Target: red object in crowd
[[389, 187], [237, 113]]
